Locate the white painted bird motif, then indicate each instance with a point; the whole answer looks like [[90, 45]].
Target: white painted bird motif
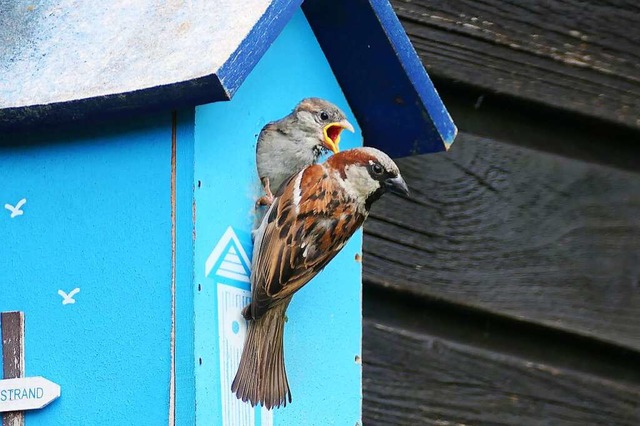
[[68, 298], [15, 210]]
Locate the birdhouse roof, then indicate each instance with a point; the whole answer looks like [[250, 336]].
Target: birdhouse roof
[[62, 60]]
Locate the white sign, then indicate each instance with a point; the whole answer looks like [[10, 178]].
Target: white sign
[[229, 265], [27, 393]]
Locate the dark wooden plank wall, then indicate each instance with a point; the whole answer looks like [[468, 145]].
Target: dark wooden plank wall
[[525, 234], [415, 379], [570, 54], [506, 289]]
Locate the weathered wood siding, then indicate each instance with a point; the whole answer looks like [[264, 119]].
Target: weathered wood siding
[[506, 289], [519, 233], [418, 379], [571, 54]]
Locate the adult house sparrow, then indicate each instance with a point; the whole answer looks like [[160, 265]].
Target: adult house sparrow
[[311, 219], [296, 141]]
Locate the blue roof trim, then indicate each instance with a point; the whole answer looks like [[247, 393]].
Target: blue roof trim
[[381, 76], [178, 95], [234, 71]]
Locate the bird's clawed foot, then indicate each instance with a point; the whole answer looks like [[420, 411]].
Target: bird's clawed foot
[[267, 199]]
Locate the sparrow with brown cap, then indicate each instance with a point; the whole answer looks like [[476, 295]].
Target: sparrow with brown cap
[[310, 220]]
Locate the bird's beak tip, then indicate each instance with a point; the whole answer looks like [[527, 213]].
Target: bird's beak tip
[[332, 134], [397, 185], [348, 126]]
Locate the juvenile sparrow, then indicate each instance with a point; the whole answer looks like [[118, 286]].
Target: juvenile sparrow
[[311, 219], [296, 141]]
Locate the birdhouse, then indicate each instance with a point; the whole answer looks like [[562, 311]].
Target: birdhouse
[[127, 149]]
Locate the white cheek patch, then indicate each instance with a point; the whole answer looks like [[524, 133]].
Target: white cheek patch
[[359, 183]]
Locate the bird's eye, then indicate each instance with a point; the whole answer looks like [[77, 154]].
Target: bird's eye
[[377, 169], [324, 116]]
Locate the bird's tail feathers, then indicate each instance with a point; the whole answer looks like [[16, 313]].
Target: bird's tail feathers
[[261, 376]]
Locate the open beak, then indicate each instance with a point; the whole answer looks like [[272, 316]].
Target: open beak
[[332, 134], [397, 185]]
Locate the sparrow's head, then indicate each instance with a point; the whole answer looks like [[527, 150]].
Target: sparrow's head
[[322, 122], [367, 173]]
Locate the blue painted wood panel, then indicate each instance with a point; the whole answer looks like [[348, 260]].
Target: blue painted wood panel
[[323, 334], [97, 217]]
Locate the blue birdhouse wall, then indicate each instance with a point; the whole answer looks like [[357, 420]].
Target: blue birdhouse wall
[[323, 332], [127, 245], [96, 221]]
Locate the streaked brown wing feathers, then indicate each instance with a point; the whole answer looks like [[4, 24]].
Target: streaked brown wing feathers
[[297, 245]]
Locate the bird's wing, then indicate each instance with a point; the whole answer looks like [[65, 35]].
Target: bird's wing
[[74, 292], [9, 207], [62, 293], [300, 234], [20, 203]]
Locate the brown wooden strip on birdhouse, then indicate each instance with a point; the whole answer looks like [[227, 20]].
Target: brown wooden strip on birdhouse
[[12, 357]]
